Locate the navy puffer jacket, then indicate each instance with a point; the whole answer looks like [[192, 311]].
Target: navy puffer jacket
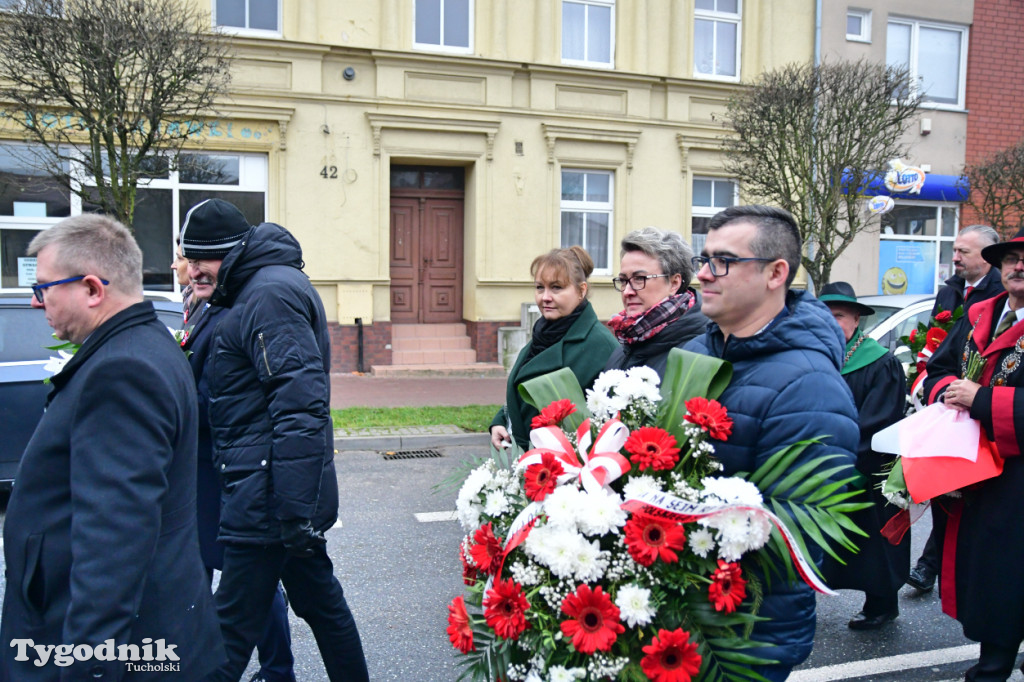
[[269, 377], [786, 387]]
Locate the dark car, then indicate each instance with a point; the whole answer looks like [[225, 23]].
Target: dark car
[[24, 335]]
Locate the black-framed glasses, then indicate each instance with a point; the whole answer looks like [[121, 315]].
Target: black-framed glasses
[[638, 282], [37, 289], [1011, 260], [720, 264]]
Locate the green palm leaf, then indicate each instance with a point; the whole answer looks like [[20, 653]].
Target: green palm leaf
[[543, 390], [688, 375]]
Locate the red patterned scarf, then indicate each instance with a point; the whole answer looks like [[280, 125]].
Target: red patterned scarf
[[636, 328]]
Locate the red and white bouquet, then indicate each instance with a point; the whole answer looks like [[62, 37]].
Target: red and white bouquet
[[613, 549]]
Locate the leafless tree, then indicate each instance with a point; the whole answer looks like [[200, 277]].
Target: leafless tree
[[102, 86], [997, 189], [808, 138]]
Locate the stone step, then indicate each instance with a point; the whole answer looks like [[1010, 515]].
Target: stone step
[[440, 356], [474, 369], [430, 343], [404, 331]]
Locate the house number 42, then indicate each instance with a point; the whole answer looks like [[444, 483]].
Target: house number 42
[[329, 173]]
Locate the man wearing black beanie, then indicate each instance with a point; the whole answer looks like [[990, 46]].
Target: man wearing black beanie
[[268, 371]]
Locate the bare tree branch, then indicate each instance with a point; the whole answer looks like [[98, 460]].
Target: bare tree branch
[[106, 84], [997, 189], [802, 133]]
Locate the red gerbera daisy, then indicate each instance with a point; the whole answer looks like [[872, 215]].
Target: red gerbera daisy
[[505, 609], [486, 550], [593, 620], [649, 538], [728, 589], [671, 657], [553, 414], [540, 478], [459, 631], [709, 415], [652, 447]]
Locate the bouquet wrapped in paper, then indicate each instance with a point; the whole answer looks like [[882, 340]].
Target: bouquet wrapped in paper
[[614, 549]]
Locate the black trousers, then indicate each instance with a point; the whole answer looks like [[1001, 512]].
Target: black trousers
[[247, 586], [994, 665]]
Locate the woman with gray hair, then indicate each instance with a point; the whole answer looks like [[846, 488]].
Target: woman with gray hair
[[661, 311]]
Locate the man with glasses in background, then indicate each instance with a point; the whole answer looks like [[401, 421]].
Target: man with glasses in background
[[786, 352], [100, 537]]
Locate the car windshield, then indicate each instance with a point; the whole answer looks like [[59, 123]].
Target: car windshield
[[882, 313], [24, 335]]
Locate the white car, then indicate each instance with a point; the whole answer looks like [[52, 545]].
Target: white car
[[896, 316]]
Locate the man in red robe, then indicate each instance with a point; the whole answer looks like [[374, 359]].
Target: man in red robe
[[981, 584]]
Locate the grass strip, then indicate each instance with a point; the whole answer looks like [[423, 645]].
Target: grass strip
[[474, 418]]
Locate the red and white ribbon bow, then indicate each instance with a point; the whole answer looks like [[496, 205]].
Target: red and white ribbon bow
[[595, 467]]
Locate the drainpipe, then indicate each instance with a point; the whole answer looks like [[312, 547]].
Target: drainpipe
[[359, 342], [817, 63]]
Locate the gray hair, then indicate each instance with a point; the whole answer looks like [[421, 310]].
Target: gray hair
[[669, 248], [93, 244], [987, 233], [778, 235]]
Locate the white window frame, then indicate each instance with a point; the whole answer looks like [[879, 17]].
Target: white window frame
[[697, 211], [865, 25], [938, 239], [245, 30], [720, 17], [450, 49], [607, 208], [586, 61], [915, 28]]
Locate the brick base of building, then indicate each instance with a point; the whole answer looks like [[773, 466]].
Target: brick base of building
[[483, 337], [345, 346]]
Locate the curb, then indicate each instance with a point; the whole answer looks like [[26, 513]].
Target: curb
[[410, 442]]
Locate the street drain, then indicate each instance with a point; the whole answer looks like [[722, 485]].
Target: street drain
[[410, 454]]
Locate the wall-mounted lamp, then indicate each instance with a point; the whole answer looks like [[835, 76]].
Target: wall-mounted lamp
[[926, 126]]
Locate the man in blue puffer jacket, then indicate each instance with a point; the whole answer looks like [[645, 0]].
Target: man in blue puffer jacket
[[273, 441], [786, 352]]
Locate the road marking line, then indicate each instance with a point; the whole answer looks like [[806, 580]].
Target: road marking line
[[337, 524], [875, 666], [427, 517]]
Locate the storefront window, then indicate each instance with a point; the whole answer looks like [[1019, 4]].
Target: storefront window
[[916, 248]]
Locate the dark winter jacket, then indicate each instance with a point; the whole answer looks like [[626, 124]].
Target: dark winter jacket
[[785, 388], [584, 349], [100, 534], [654, 351], [951, 294], [269, 389]]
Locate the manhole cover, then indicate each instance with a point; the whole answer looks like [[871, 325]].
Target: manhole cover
[[410, 454]]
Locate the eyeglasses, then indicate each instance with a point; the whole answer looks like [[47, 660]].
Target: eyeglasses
[[720, 264], [1011, 260], [37, 289], [638, 282]]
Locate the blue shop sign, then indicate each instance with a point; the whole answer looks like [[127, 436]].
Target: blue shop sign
[[950, 188]]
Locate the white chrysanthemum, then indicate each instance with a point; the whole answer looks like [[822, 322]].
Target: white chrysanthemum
[[533, 676], [469, 516], [562, 506], [638, 485], [731, 551], [634, 604], [474, 483], [607, 381], [556, 548], [732, 526], [644, 374], [702, 542], [560, 674], [496, 503], [759, 532], [600, 513], [732, 490], [591, 562]]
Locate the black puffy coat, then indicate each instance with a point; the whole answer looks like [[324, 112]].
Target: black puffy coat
[[951, 294], [269, 391]]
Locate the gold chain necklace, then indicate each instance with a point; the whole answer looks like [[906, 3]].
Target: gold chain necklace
[[849, 353]]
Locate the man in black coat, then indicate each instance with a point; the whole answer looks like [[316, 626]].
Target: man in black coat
[[100, 536], [268, 371], [973, 281], [879, 388]]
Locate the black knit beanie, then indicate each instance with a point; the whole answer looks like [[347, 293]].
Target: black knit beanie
[[211, 229]]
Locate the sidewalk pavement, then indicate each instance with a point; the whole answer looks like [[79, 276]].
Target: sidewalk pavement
[[353, 390]]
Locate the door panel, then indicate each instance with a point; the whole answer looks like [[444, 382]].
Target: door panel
[[426, 259]]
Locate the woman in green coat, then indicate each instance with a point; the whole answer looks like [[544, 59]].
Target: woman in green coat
[[568, 334]]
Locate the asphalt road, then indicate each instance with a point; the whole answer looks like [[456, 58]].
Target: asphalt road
[[400, 571]]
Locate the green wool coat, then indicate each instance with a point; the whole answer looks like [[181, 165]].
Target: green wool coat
[[584, 349]]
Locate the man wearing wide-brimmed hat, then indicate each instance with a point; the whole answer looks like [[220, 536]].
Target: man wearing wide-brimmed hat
[[879, 388], [981, 582]]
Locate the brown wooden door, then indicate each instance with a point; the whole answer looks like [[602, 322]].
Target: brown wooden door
[[426, 259]]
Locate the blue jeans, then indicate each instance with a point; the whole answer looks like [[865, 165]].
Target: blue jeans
[[247, 586], [275, 645]]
